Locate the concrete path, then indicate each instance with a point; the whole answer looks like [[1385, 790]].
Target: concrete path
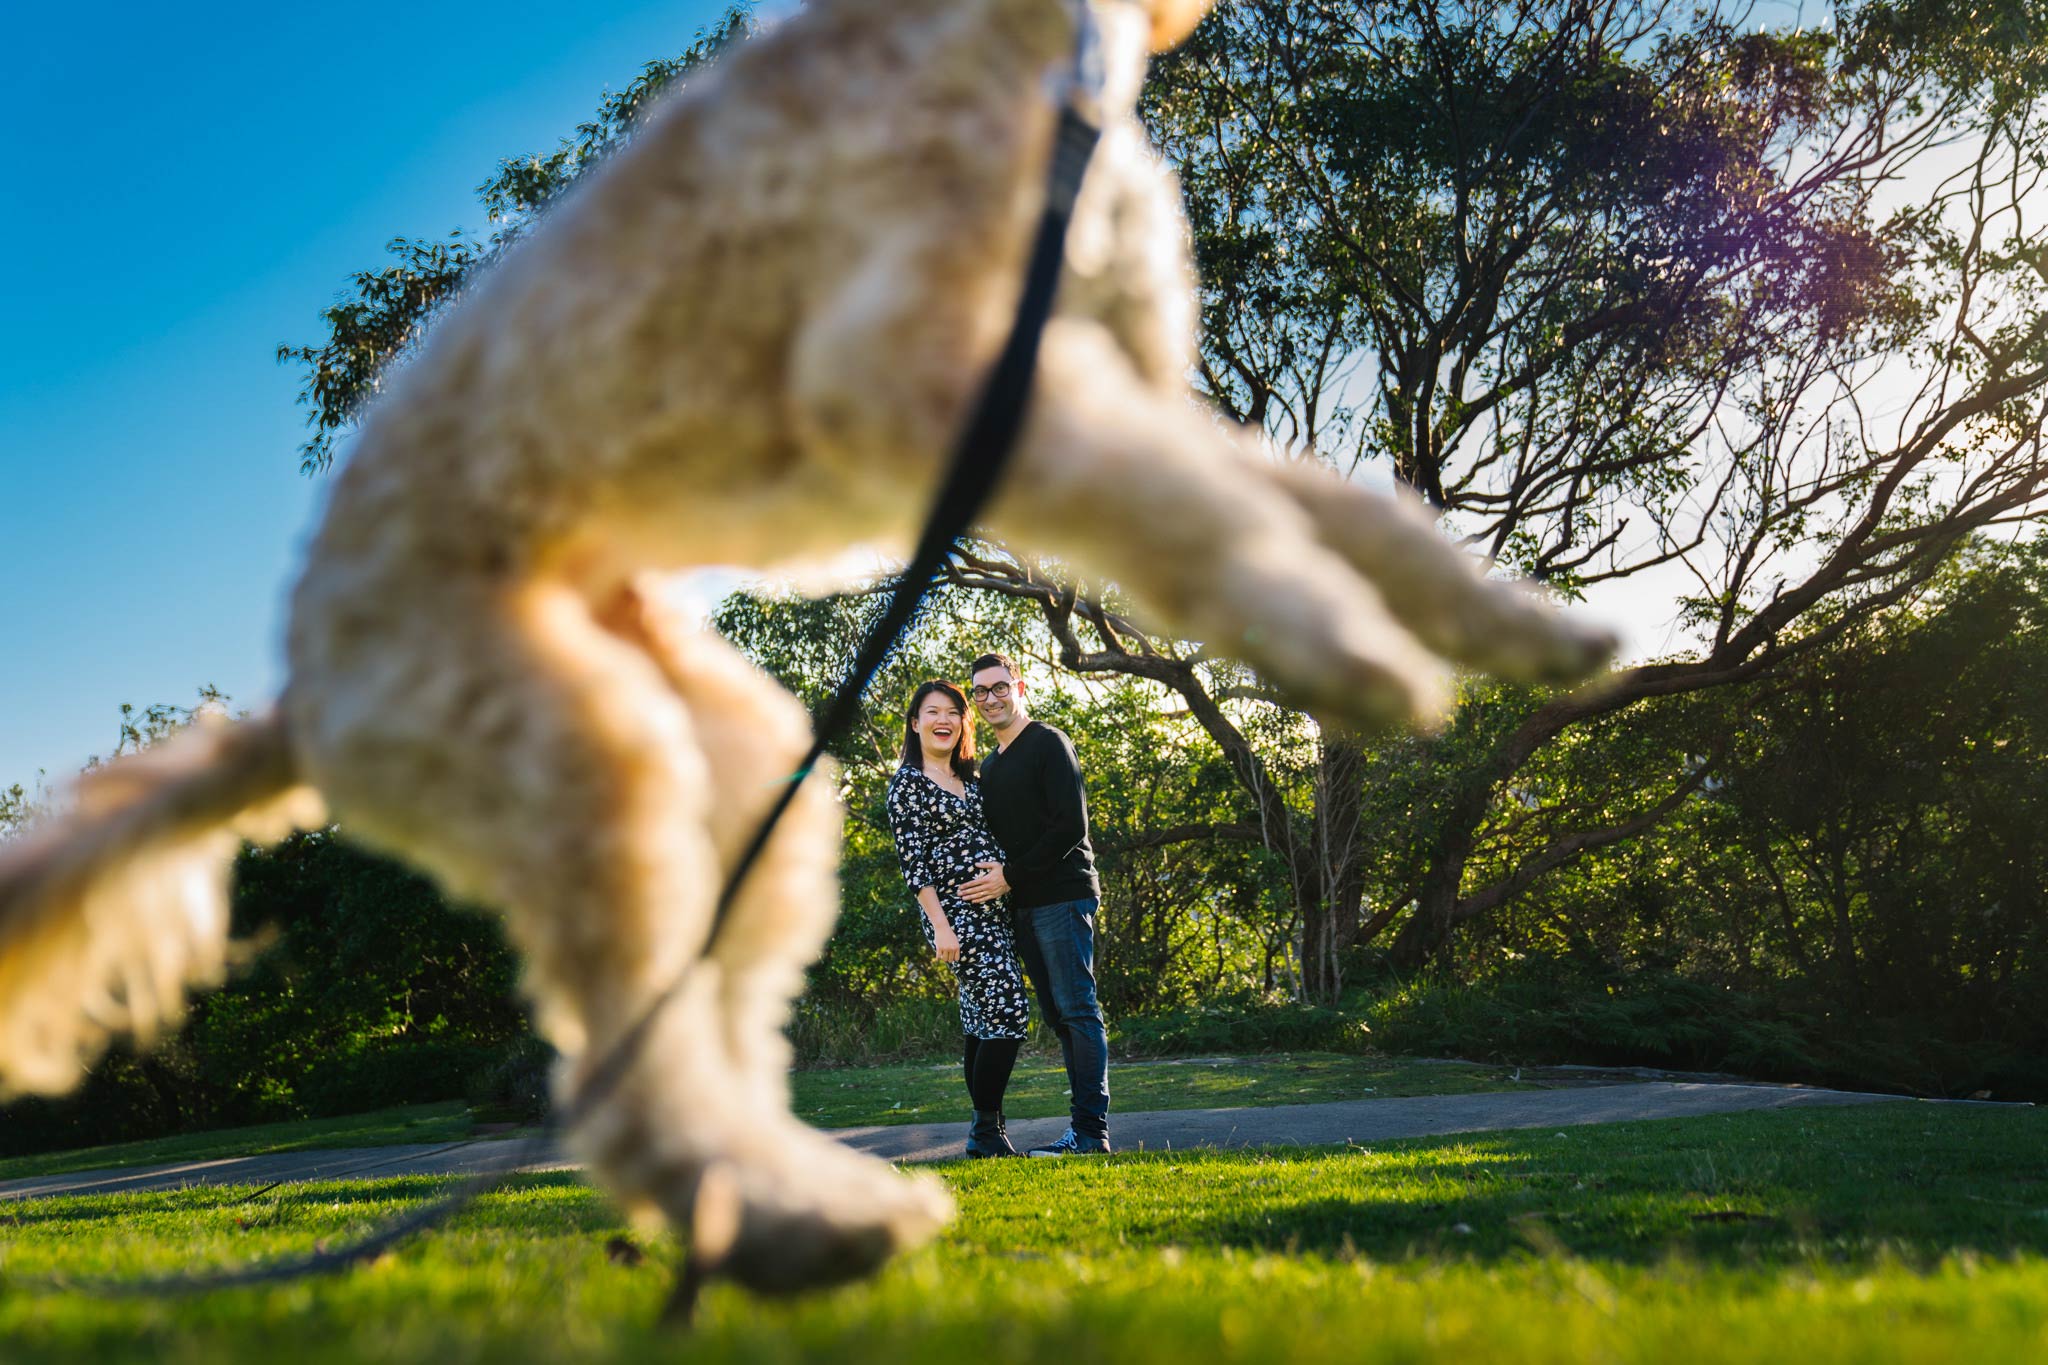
[[1286, 1125]]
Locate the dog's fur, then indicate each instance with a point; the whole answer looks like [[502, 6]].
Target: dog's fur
[[749, 339]]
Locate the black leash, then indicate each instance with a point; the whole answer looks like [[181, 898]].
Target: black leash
[[977, 461]]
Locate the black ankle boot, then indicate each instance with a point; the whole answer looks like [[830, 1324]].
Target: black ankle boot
[[987, 1137]]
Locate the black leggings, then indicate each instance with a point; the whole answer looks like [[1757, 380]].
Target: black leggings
[[987, 1063]]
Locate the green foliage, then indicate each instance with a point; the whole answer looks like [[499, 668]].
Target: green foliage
[[1561, 267], [379, 320], [1855, 892], [1546, 236], [1855, 898], [1242, 1023], [360, 988], [1604, 285], [1568, 271], [514, 1088], [373, 975], [523, 186], [368, 991], [832, 1026], [1183, 915], [1546, 1010], [19, 808]]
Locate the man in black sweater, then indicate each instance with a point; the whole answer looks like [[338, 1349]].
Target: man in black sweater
[[1032, 797]]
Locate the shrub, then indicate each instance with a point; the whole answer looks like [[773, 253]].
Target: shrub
[[1240, 1023], [513, 1087], [1548, 1010], [849, 1034], [379, 1074]]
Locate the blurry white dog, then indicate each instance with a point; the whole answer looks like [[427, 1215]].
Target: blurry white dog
[[748, 339]]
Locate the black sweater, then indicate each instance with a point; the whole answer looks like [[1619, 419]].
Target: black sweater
[[1032, 797]]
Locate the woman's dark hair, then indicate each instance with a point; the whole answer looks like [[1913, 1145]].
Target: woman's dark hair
[[963, 744]]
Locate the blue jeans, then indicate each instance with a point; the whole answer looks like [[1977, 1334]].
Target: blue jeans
[[1057, 945]]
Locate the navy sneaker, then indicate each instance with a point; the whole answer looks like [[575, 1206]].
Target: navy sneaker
[[1072, 1143]]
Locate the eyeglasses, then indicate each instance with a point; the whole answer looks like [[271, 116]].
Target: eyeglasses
[[998, 691]]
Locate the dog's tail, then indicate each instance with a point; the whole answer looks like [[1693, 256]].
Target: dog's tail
[[110, 911]]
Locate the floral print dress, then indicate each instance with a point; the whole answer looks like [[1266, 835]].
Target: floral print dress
[[939, 839]]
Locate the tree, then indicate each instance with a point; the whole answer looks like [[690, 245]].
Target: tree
[[1272, 752], [1569, 270], [1181, 917], [357, 985], [1617, 288], [20, 807], [1865, 857]]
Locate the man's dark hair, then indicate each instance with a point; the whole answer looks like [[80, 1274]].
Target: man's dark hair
[[993, 661]]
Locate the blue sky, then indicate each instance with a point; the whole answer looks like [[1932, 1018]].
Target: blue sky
[[186, 188]]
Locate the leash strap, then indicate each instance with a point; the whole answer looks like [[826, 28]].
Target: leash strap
[[978, 458], [977, 461]]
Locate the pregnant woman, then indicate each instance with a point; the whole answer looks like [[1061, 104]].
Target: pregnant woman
[[935, 811]]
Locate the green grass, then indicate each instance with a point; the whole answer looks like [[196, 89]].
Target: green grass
[[1890, 1233], [849, 1097], [846, 1097], [449, 1121]]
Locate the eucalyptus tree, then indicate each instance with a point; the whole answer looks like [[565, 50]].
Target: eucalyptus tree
[[1617, 288]]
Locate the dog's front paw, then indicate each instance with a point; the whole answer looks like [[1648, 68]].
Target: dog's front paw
[[842, 1223]]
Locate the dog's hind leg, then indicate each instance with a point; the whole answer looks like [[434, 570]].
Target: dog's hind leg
[[816, 1211], [1180, 509], [535, 758], [535, 762]]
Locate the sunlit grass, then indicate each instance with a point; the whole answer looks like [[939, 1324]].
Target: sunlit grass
[[1891, 1233], [846, 1097], [448, 1121]]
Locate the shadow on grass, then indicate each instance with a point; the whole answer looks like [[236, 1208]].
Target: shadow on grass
[[1489, 1228], [1746, 1190], [373, 1200], [1898, 1183]]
